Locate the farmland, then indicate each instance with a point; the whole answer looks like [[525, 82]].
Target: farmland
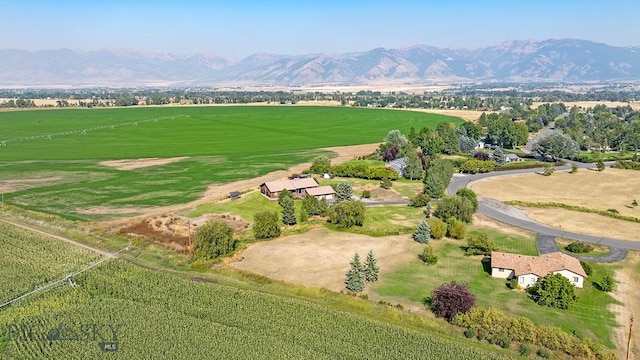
[[55, 156], [154, 314]]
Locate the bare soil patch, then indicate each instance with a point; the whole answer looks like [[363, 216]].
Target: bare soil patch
[[586, 223], [468, 115], [627, 293], [132, 164], [173, 231], [321, 257], [13, 185]]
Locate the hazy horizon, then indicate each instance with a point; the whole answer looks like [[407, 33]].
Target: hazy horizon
[[236, 30]]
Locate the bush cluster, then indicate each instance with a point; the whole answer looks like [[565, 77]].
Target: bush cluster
[[419, 200], [363, 171], [474, 166], [525, 166], [438, 228], [579, 247], [628, 164], [496, 327], [480, 245]]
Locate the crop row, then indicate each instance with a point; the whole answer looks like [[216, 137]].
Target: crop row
[[160, 316], [29, 259]]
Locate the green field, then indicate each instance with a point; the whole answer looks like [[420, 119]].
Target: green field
[[158, 315], [222, 144]]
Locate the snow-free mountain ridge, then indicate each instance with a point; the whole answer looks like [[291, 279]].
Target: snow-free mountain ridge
[[564, 60]]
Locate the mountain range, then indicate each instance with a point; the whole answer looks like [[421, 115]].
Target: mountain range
[[558, 60]]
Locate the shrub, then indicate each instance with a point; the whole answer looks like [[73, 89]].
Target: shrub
[[438, 228], [574, 168], [456, 229], [422, 233], [630, 165], [513, 284], [607, 283], [634, 203], [579, 247], [469, 333], [600, 165], [588, 269], [385, 183], [480, 245], [451, 299], [419, 200], [614, 211], [548, 170], [474, 166], [525, 349], [304, 215], [428, 255], [544, 353], [366, 194]]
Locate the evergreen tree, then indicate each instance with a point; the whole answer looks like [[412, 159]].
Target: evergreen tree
[[343, 191], [498, 156], [284, 194], [422, 233], [371, 268], [355, 275], [288, 211]]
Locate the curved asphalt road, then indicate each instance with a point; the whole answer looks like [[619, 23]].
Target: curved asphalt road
[[512, 216]]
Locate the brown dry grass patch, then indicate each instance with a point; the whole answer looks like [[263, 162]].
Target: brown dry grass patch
[[627, 293], [14, 185], [132, 164], [609, 189], [586, 223], [320, 257]]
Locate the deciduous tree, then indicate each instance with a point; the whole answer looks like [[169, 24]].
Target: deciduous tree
[[438, 177], [554, 291], [451, 299], [214, 238], [556, 145], [265, 224]]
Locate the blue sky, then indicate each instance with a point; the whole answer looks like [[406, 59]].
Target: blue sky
[[235, 29]]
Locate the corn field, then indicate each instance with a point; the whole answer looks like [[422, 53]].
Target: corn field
[[152, 315]]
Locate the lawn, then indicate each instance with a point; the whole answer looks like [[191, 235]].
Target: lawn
[[415, 281], [221, 144]]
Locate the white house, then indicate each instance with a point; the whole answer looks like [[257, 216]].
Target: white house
[[528, 269]]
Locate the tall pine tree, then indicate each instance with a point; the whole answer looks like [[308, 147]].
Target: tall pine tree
[[355, 275], [371, 268], [288, 211]]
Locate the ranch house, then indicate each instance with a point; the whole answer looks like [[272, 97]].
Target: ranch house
[[528, 269], [297, 186], [321, 192]]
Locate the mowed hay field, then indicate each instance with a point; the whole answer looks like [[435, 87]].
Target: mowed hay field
[[56, 155], [609, 189]]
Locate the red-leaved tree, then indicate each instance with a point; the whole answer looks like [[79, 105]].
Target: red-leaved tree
[[451, 299]]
